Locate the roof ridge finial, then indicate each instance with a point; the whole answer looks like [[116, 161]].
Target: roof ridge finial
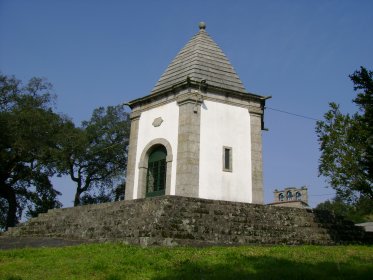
[[202, 25]]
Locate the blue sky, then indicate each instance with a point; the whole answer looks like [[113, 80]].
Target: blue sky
[[100, 53]]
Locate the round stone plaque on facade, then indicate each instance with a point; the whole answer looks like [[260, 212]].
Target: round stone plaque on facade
[[157, 122]]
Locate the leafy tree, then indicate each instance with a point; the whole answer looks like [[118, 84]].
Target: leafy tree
[[95, 155], [346, 143], [336, 206], [3, 213], [359, 212], [29, 130], [104, 193], [363, 81]]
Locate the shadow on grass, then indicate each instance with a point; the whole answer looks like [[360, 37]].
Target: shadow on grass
[[246, 267]]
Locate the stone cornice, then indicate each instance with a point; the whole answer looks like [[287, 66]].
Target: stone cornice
[[189, 97], [205, 91], [256, 110], [189, 85], [135, 115]]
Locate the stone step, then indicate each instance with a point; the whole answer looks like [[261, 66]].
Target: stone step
[[181, 220]]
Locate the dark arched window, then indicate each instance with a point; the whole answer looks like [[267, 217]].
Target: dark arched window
[[289, 196], [298, 196], [156, 176], [281, 197]]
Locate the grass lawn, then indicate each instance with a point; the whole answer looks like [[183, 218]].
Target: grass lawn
[[116, 261]]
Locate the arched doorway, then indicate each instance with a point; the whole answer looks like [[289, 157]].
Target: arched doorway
[[298, 196], [289, 196], [157, 170], [157, 144]]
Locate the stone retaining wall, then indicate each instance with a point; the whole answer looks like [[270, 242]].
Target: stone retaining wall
[[175, 220]]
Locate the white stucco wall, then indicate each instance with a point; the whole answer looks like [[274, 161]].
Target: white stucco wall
[[225, 125], [168, 130]]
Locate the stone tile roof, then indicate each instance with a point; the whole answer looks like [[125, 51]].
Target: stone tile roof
[[201, 58]]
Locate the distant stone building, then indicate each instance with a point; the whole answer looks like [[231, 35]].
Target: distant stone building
[[291, 197], [198, 133]]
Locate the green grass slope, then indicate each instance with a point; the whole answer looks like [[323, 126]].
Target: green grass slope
[[116, 261]]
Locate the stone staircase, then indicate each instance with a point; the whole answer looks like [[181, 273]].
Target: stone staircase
[[174, 220]]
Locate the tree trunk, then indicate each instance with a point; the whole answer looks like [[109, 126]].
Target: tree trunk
[[9, 195], [77, 198]]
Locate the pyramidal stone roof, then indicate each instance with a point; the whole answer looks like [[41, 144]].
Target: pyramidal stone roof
[[201, 59]]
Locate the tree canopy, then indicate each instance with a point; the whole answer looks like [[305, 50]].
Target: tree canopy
[[359, 212], [29, 132], [94, 155], [346, 143], [36, 143]]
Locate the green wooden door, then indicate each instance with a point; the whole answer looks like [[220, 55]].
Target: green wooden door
[[156, 176]]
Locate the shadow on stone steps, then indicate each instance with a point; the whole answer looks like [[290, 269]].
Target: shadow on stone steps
[[7, 243]]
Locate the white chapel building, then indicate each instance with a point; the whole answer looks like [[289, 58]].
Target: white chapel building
[[198, 133]]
